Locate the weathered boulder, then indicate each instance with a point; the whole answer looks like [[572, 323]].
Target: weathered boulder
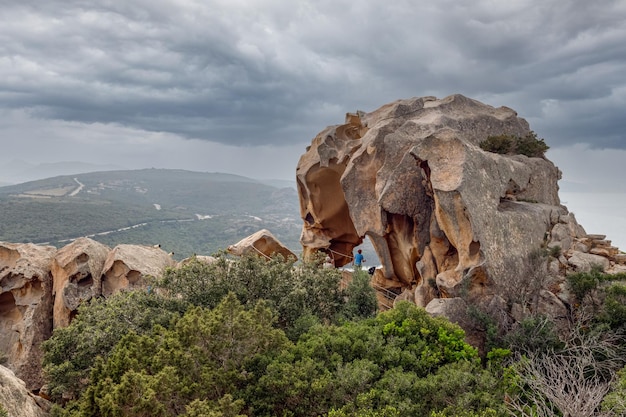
[[127, 266], [76, 271], [25, 307], [412, 178], [17, 399], [199, 258], [583, 262], [262, 243]]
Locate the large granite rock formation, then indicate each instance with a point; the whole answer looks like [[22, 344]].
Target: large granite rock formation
[[25, 307], [444, 216]]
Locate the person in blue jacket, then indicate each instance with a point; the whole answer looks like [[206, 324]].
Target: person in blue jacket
[[358, 259]]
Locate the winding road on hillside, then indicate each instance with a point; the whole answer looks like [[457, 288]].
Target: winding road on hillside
[[78, 190]]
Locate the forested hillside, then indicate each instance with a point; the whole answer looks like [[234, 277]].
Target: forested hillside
[[186, 212]]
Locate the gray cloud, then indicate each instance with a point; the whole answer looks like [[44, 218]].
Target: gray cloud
[[268, 73]]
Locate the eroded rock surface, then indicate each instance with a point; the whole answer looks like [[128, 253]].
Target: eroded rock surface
[[262, 243], [41, 287], [77, 270], [25, 307], [127, 266], [17, 399], [444, 216]]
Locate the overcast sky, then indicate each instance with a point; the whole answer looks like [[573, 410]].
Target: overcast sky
[[243, 86]]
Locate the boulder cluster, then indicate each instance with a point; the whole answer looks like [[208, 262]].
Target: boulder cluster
[[41, 288]]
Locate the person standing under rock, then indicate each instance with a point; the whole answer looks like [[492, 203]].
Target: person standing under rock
[[359, 260]]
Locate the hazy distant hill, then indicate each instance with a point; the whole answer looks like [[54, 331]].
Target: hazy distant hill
[[17, 171], [186, 212]]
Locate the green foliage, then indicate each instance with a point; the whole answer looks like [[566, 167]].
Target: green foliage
[[3, 411], [301, 295], [361, 297], [401, 363], [555, 251], [225, 407], [533, 334], [615, 401], [529, 145], [70, 353], [194, 368], [604, 294], [613, 310], [583, 283], [502, 144]]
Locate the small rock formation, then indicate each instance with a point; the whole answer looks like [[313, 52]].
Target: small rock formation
[[262, 243], [444, 216], [25, 307], [127, 265], [200, 258], [16, 398], [77, 270]]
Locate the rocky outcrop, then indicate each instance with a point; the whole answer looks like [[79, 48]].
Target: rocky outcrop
[[17, 399], [41, 287], [25, 307], [127, 265], [77, 270], [262, 243], [445, 217]]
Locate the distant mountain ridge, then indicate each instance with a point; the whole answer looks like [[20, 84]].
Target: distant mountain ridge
[[185, 211], [17, 171]]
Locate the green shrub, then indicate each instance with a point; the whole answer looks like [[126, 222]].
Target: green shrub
[[361, 297], [582, 283], [533, 334], [529, 145], [555, 251], [70, 353], [306, 293], [614, 307], [502, 144]]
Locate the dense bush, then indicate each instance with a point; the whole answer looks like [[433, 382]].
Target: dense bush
[[403, 363], [196, 366], [301, 296], [231, 361], [529, 145], [70, 353]]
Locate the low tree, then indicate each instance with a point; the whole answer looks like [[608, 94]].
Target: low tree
[[361, 297], [197, 367], [70, 353]]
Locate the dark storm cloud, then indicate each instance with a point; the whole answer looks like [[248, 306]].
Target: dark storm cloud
[[274, 72]]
